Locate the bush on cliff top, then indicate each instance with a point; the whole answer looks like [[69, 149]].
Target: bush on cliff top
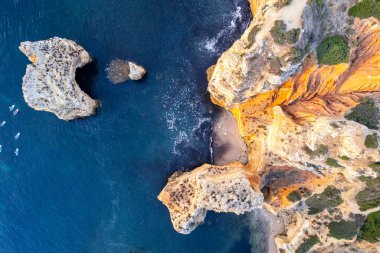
[[371, 228], [329, 198], [321, 150], [369, 197], [366, 113], [333, 163], [294, 196], [333, 50], [371, 141], [343, 229], [308, 244], [366, 9], [281, 35]]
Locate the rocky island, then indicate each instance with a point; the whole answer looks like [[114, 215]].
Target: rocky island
[[303, 84], [120, 71], [49, 83]]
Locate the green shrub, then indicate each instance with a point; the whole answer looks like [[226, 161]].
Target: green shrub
[[333, 50], [282, 36], [329, 198], [294, 196], [333, 163], [375, 166], [319, 2], [366, 9], [321, 150], [371, 228], [366, 113], [369, 197], [308, 244], [343, 229], [283, 3], [371, 141], [344, 158]]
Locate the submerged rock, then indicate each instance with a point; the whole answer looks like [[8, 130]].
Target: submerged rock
[[49, 83], [120, 71], [189, 196]]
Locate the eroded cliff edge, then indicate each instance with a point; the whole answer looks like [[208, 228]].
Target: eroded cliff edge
[[303, 83], [49, 83]]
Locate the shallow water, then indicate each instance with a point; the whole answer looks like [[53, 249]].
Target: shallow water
[[90, 185]]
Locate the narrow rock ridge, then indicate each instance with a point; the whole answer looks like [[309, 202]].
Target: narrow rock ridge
[[190, 195], [49, 83]]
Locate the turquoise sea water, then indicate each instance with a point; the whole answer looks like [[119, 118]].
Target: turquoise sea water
[[90, 185]]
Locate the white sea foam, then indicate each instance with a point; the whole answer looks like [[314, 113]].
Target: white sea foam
[[210, 43], [180, 138]]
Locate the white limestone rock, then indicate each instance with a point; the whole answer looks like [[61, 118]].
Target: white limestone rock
[[49, 83]]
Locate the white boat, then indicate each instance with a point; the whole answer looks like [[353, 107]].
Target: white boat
[[1, 148], [15, 112], [11, 108], [3, 123], [17, 136], [17, 151]]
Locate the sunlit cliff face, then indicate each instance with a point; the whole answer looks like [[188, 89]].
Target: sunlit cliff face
[[290, 111]]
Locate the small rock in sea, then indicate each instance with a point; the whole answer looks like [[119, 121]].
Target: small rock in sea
[[120, 71]]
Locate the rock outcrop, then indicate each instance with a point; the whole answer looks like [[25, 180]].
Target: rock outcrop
[[120, 71], [311, 127], [190, 195], [49, 83]]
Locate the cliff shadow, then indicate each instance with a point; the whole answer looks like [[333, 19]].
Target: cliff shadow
[[86, 76]]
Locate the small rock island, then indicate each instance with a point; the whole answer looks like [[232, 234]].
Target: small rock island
[[49, 83], [120, 71]]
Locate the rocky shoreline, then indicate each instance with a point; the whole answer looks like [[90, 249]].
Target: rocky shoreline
[[305, 94]]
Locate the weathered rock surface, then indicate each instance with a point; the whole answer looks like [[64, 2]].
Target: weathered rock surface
[[120, 71], [190, 195], [318, 169], [49, 83], [274, 46]]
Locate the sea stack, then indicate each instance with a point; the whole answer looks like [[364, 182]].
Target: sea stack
[[120, 71], [49, 83], [189, 196]]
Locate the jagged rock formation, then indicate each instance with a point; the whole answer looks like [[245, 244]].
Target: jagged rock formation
[[312, 130], [49, 83], [190, 195], [120, 71]]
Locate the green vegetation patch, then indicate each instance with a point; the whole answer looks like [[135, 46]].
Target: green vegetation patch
[[321, 150], [371, 141], [366, 9], [344, 158], [308, 244], [329, 198], [375, 166], [369, 197], [343, 229], [333, 50], [318, 2], [333, 163], [366, 113], [282, 36], [294, 196], [371, 228]]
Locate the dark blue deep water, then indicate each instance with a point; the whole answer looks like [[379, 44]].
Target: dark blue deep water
[[90, 185]]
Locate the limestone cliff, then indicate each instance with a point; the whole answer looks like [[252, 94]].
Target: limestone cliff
[[120, 71], [49, 83], [190, 195], [303, 84]]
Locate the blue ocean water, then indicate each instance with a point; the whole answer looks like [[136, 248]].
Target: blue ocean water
[[90, 185]]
